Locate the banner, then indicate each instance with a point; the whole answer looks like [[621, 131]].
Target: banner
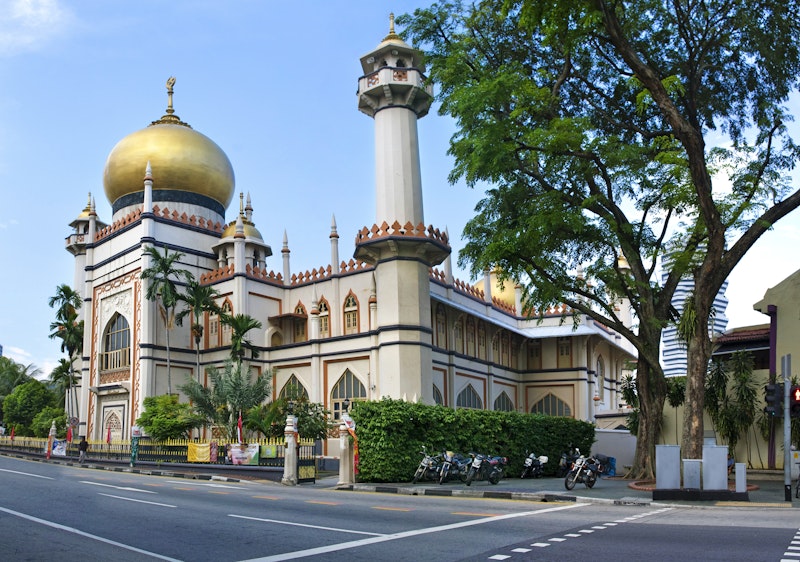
[[269, 451], [199, 452], [243, 454], [59, 447]]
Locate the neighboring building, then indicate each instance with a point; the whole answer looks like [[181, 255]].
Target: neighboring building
[[392, 321], [673, 350]]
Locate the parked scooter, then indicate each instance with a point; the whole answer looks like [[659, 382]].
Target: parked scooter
[[484, 467], [454, 465], [428, 468], [585, 470], [534, 466]]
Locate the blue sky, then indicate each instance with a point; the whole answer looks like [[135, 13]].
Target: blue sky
[[272, 83]]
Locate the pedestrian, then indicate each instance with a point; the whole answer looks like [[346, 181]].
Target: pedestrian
[[83, 446]]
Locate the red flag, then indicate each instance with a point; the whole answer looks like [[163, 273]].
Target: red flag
[[13, 427], [69, 434], [108, 435], [239, 428]]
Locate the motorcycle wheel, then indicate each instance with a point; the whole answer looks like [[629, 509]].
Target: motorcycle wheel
[[591, 479], [569, 480], [470, 476], [494, 477], [417, 475], [537, 473], [443, 475]]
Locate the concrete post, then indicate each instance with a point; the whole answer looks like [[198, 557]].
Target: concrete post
[[345, 456], [290, 454]]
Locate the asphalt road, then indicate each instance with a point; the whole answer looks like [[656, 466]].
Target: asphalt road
[[50, 511]]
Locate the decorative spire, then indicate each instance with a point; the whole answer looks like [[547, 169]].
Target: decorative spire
[[248, 209], [170, 117], [392, 35]]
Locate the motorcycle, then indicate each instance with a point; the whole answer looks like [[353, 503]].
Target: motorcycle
[[567, 458], [585, 470], [534, 466], [454, 465], [428, 468], [484, 467]]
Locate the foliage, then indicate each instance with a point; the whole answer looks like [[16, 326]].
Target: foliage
[[631, 397], [241, 324], [731, 398], [199, 299], [391, 434], [312, 417], [42, 421], [162, 289], [166, 418], [589, 121], [231, 392], [24, 402], [13, 374]]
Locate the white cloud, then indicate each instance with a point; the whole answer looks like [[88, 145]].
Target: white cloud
[[28, 25]]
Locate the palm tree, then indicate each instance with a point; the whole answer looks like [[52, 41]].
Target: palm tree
[[162, 290], [69, 330], [241, 324], [229, 393], [63, 379], [199, 299]]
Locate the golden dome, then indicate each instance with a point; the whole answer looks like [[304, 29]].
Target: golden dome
[[181, 159], [250, 230]]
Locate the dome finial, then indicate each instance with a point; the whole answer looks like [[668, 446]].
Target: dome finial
[[391, 23], [170, 117], [170, 85], [392, 35]]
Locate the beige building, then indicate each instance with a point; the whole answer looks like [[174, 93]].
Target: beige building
[[389, 321]]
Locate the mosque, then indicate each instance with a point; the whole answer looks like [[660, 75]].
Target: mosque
[[389, 321]]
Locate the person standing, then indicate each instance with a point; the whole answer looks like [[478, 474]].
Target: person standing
[[83, 446]]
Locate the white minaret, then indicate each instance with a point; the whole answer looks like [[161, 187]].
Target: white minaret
[[394, 93]]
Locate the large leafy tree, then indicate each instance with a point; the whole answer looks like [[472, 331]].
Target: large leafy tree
[[162, 276], [231, 392], [590, 120], [199, 299], [24, 403]]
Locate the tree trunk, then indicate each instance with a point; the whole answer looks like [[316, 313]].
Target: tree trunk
[[698, 356], [652, 392]]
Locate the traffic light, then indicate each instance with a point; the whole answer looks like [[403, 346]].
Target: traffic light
[[794, 401], [773, 396]]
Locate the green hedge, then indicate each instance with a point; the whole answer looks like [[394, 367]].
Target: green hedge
[[391, 434]]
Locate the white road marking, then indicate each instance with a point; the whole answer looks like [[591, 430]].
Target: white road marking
[[125, 488], [87, 535], [137, 501], [279, 522], [499, 557], [25, 473], [206, 484], [523, 550], [407, 534]]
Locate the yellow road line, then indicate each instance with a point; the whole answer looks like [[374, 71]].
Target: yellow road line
[[323, 503], [391, 508], [266, 497]]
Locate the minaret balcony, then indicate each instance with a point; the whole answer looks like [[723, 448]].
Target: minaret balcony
[[394, 86]]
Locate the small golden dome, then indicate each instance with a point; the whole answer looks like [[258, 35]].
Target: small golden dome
[[250, 230], [181, 160]]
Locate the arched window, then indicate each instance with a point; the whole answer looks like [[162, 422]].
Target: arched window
[[301, 318], [350, 314], [481, 341], [213, 330], [470, 337], [441, 327], [347, 387], [458, 336], [437, 396], [552, 405], [227, 310], [116, 352], [601, 378], [293, 389], [112, 425], [468, 398], [503, 403], [324, 319]]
